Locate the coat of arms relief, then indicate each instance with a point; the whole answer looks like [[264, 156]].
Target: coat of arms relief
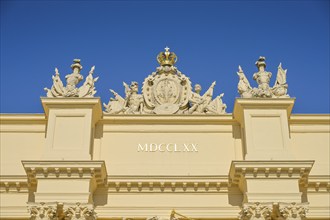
[[166, 91]]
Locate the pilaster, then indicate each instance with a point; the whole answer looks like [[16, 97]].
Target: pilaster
[[70, 127]]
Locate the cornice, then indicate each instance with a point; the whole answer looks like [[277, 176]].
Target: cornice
[[40, 118], [167, 184], [265, 103], [169, 119], [319, 183], [242, 104], [23, 119], [22, 123], [65, 170], [162, 184], [284, 169], [72, 103], [310, 119], [14, 184]]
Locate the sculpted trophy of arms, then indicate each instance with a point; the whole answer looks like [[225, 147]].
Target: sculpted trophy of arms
[[204, 104], [280, 87], [262, 77], [244, 88], [133, 103], [72, 80]]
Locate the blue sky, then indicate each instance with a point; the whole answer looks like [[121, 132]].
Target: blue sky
[[123, 38]]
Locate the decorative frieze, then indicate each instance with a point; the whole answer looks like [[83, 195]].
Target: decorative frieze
[[278, 211], [292, 211], [43, 211], [256, 211], [79, 211]]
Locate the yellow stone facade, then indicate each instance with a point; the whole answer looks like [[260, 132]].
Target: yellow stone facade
[[76, 162]]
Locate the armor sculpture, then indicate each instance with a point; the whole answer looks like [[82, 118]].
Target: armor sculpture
[[262, 77], [72, 80]]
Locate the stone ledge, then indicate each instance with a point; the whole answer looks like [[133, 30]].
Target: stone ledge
[[65, 170], [72, 103], [285, 169]]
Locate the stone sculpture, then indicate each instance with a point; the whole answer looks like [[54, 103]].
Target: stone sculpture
[[243, 87], [131, 104], [165, 91], [72, 80], [262, 77], [280, 87]]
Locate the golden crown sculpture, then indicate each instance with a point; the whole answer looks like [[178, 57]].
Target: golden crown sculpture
[[167, 58]]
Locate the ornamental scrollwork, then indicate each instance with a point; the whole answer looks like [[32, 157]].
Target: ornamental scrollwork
[[42, 211], [256, 211], [79, 211], [293, 211]]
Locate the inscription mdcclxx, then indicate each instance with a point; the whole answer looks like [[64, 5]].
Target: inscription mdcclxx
[[170, 147]]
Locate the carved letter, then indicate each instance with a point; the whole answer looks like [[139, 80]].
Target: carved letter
[[160, 147], [194, 147], [168, 147], [186, 148], [175, 150], [153, 147], [140, 147]]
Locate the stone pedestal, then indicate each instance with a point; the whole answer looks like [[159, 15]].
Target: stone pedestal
[[265, 128], [78, 116]]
